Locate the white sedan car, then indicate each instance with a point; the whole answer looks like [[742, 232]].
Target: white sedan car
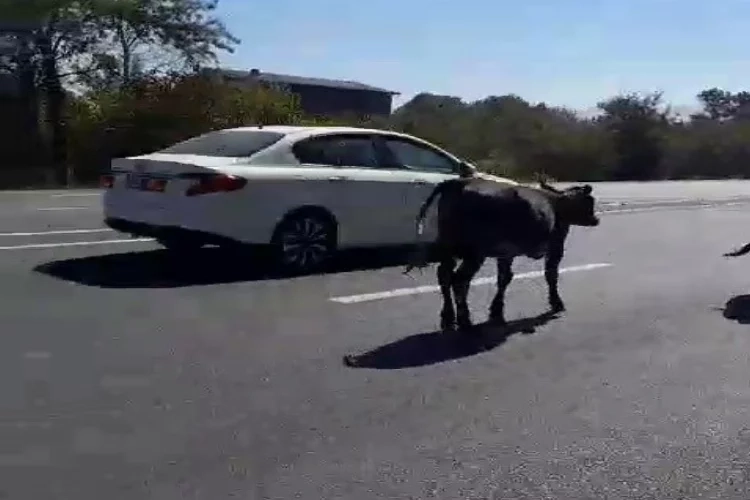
[[305, 191]]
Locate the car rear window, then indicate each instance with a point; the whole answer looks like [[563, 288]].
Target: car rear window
[[226, 143]]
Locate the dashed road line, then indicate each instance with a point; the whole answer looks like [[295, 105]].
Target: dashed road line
[[61, 231], [62, 209], [74, 244], [74, 195], [665, 208], [400, 292]]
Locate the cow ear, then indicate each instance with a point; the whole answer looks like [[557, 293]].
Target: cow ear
[[587, 189]]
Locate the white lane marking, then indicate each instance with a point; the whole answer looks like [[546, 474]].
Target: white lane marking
[[59, 209], [672, 207], [628, 210], [680, 201], [62, 231], [49, 192], [75, 244], [400, 292], [74, 195]]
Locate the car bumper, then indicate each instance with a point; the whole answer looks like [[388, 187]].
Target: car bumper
[[146, 230]]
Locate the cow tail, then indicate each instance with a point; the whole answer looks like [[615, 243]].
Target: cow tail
[[736, 253], [420, 258]]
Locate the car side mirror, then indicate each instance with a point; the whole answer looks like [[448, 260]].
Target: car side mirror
[[466, 170]]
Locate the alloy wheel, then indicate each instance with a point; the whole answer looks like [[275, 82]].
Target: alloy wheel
[[305, 243]]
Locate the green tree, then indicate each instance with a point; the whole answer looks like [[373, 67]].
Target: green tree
[[720, 104], [147, 37], [154, 112], [78, 39], [637, 126]]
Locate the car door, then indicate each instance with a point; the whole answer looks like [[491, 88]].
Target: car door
[[425, 167], [365, 198]]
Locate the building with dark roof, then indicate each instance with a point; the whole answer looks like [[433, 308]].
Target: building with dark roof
[[321, 96]]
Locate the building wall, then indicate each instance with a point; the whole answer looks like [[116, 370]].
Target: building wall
[[333, 101]]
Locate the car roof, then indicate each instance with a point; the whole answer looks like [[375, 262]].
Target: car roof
[[300, 132], [295, 133]]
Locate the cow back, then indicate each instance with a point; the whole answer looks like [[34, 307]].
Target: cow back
[[492, 218]]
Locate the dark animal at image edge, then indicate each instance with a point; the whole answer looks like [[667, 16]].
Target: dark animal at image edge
[[479, 218], [740, 251]]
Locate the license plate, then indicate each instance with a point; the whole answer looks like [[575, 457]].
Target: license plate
[[135, 181], [142, 182]]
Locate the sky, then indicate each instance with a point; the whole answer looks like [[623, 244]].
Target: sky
[[564, 52]]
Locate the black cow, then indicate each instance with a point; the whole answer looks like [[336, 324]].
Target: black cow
[[480, 218], [740, 251]]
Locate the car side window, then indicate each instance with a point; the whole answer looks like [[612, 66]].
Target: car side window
[[419, 157], [339, 151]]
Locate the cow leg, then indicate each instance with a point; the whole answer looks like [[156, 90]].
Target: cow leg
[[504, 277], [551, 275], [445, 278], [461, 284]]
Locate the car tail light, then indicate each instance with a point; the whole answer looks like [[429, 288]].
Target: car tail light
[[219, 183], [157, 185], [107, 181]]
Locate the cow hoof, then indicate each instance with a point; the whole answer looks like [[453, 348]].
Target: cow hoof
[[447, 327], [447, 323], [557, 307], [496, 317], [465, 324]]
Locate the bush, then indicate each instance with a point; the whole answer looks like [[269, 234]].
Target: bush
[[157, 112], [633, 139]]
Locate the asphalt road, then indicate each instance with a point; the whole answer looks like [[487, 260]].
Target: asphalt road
[[127, 375]]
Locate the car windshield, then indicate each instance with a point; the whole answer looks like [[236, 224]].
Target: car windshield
[[226, 143]]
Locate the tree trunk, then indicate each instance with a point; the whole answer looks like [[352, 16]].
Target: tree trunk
[[30, 98], [126, 56], [55, 105]]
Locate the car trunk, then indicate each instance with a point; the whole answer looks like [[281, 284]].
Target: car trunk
[[163, 174]]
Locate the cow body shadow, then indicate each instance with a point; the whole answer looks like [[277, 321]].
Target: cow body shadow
[[430, 348]]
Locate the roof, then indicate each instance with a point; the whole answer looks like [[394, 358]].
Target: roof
[[303, 80], [305, 131], [296, 133]]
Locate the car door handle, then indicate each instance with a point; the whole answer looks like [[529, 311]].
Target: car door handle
[[337, 178], [420, 182]]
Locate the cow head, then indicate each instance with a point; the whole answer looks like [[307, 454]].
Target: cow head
[[575, 204]]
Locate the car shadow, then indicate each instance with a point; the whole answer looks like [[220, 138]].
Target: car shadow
[[425, 349], [738, 309], [207, 266]]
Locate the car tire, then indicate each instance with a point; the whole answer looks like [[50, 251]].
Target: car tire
[[304, 242]]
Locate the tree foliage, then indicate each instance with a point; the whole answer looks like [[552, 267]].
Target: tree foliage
[[155, 112], [99, 44], [635, 136], [120, 77]]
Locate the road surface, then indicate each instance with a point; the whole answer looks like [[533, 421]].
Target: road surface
[[126, 375]]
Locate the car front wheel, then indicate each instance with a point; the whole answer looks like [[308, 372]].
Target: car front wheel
[[304, 242]]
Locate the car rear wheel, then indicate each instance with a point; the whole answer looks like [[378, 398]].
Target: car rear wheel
[[304, 242]]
